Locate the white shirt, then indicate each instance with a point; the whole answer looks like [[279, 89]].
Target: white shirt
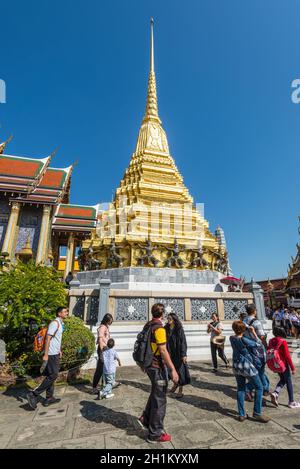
[[55, 329]]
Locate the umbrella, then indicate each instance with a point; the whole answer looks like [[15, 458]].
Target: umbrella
[[231, 281]]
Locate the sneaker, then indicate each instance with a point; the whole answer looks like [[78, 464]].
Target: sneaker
[[109, 396], [261, 418], [50, 401], [32, 400], [116, 384], [274, 399], [294, 405], [141, 422], [100, 395], [164, 437], [214, 370]]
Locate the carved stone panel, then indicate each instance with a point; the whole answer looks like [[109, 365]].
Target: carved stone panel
[[233, 309], [173, 305], [92, 316], [78, 310], [131, 309], [203, 309]]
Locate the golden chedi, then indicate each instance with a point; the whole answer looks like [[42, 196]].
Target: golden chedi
[[152, 220]]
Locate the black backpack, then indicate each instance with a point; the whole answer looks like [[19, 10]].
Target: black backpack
[[142, 351]]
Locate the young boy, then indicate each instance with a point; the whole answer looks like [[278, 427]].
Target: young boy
[[110, 357]]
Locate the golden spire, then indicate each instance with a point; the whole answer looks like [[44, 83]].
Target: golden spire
[[151, 105]]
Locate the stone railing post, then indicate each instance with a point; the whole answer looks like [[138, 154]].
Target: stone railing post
[[74, 284], [258, 295], [103, 299]]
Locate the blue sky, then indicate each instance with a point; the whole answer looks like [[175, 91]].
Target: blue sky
[[76, 76]]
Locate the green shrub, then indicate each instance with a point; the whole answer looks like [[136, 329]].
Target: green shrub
[[78, 344], [29, 297]]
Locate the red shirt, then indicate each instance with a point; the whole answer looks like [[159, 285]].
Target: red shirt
[[283, 350]]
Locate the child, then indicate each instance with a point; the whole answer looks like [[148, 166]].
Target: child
[[285, 378], [110, 357]]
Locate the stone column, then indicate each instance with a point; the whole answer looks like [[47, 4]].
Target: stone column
[[70, 255], [258, 295], [103, 298], [11, 229], [42, 250]]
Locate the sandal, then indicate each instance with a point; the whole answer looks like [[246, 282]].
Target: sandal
[[174, 389]]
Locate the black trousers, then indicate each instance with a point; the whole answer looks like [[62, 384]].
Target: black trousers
[[99, 369], [155, 411], [214, 349], [51, 374]]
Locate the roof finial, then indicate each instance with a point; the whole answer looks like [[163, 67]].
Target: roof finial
[[152, 46], [151, 106], [3, 145]]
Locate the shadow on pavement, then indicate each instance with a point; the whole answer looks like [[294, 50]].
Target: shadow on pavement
[[100, 414]]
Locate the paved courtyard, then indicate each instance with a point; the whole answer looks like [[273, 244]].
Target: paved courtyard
[[204, 418]]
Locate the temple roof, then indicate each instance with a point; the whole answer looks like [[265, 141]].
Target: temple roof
[[32, 180], [75, 217]]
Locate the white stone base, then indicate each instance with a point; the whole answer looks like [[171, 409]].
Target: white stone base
[[197, 339]]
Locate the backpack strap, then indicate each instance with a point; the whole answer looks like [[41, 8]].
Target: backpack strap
[[52, 336]]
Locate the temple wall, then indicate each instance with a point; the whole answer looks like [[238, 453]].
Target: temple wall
[[131, 309], [4, 216], [29, 223]]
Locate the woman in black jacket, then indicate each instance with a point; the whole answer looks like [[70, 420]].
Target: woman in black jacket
[[177, 348]]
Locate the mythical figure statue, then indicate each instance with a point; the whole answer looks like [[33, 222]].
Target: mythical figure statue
[[175, 259], [148, 258], [87, 261], [114, 256], [221, 265], [198, 259]]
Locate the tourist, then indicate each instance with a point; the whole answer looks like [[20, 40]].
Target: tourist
[[295, 323], [251, 323], [215, 329], [244, 369], [110, 357], [51, 360], [287, 323], [69, 279], [103, 335], [177, 348], [277, 317], [281, 345], [153, 416]]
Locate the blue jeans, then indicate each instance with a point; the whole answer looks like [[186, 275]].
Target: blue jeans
[[242, 389], [109, 382], [286, 379], [264, 379]]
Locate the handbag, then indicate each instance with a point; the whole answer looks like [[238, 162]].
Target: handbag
[[219, 340], [184, 375]]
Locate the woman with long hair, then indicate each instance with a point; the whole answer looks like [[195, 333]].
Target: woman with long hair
[[103, 335], [177, 348]]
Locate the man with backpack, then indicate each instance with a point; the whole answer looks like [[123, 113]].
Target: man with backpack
[[152, 344], [251, 321], [51, 360]]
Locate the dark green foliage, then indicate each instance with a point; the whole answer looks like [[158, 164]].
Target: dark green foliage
[[78, 344]]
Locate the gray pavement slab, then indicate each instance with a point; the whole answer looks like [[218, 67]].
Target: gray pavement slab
[[206, 417]]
